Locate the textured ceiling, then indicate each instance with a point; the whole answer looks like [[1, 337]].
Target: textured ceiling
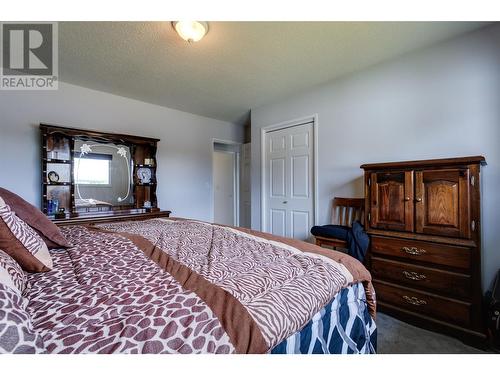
[[238, 65]]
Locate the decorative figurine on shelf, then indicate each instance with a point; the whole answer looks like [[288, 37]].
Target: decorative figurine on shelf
[[60, 214], [144, 175], [51, 155], [53, 176], [147, 206], [52, 206]]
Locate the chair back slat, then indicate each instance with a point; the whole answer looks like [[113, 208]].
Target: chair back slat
[[347, 210]]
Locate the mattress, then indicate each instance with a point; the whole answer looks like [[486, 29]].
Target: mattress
[[183, 286]]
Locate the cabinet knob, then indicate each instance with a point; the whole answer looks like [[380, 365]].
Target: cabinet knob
[[414, 275], [413, 250], [415, 301], [407, 199], [418, 199]]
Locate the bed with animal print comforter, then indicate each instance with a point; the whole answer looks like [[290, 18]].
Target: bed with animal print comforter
[[184, 286]]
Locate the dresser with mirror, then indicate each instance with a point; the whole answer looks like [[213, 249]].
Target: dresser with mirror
[[92, 176]]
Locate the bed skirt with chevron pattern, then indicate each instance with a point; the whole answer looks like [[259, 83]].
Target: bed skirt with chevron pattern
[[344, 326]]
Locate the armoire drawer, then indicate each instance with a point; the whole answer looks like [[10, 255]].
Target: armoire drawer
[[427, 304], [434, 253], [438, 281]]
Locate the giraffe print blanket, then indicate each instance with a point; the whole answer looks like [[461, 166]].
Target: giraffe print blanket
[[182, 286]]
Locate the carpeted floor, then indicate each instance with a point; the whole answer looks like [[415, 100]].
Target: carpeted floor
[[397, 337]]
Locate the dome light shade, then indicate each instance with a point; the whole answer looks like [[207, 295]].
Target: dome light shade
[[191, 31]]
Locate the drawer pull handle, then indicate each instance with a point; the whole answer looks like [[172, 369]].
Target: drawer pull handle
[[414, 301], [414, 275], [413, 250]]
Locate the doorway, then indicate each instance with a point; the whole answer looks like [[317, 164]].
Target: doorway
[[225, 162], [289, 173]]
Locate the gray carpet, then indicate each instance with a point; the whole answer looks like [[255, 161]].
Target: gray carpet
[[397, 337]]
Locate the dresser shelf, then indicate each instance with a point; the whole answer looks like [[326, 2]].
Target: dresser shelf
[[56, 161], [110, 216]]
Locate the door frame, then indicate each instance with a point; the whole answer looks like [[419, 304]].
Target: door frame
[[236, 184], [263, 188]]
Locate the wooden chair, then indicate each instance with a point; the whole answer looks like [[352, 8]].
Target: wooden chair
[[344, 212]]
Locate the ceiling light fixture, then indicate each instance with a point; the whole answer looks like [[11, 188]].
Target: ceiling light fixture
[[191, 31]]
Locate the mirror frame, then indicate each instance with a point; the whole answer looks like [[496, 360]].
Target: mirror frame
[[88, 147]]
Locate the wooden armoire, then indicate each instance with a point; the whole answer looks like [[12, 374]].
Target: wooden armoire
[[423, 218]]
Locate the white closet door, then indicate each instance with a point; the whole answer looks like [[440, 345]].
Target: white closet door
[[289, 180]]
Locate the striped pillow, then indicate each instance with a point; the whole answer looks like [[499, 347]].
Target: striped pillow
[[32, 216], [22, 243], [11, 273]]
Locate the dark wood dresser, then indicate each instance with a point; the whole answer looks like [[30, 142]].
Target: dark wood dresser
[[423, 218]]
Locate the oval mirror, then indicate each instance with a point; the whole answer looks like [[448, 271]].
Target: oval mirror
[[102, 175]]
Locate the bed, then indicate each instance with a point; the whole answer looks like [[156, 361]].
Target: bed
[[185, 286]]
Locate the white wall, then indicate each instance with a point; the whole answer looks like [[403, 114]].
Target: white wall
[[443, 101], [184, 153]]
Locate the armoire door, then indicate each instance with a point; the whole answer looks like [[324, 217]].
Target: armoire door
[[442, 202], [391, 201]]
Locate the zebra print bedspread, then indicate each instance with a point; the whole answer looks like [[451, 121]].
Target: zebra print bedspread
[[213, 289]]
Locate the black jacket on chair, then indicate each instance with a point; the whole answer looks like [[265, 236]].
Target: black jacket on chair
[[356, 238], [357, 241]]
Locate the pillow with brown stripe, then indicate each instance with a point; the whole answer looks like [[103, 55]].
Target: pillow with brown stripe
[[22, 243], [32, 216], [11, 273]]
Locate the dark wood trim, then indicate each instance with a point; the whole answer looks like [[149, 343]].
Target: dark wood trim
[[478, 315], [43, 172], [334, 243], [408, 205], [427, 163], [97, 134], [72, 175], [104, 217], [423, 237]]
